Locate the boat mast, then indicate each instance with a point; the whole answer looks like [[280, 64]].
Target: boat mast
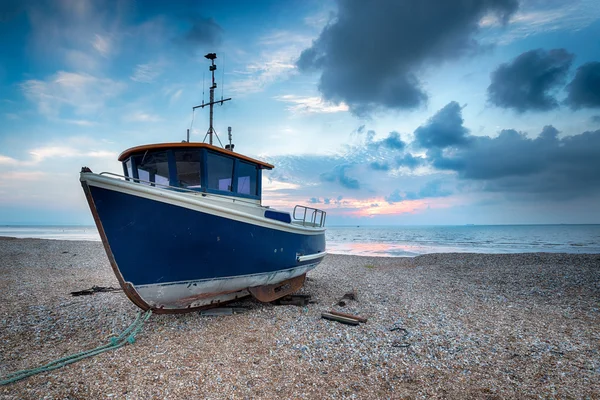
[[212, 68]]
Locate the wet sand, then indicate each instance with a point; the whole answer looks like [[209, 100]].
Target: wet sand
[[474, 326]]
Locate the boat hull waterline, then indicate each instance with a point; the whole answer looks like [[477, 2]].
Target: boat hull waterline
[[203, 254]]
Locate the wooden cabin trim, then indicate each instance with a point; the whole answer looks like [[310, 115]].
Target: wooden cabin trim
[[164, 146]]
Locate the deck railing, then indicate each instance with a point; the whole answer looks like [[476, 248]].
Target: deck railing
[[308, 216]]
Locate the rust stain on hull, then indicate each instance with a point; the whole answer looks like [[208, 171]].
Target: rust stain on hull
[[268, 293]]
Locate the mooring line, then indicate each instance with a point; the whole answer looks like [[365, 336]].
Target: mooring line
[[127, 336]]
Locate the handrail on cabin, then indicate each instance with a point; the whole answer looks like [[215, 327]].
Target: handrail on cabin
[[176, 188], [314, 214]]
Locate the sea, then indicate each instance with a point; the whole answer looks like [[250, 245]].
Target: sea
[[404, 241]]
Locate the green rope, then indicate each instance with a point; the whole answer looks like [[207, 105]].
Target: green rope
[[127, 336]]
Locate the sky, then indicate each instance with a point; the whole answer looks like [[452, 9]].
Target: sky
[[399, 112]]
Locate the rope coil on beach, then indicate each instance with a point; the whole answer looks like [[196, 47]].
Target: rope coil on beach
[[127, 336]]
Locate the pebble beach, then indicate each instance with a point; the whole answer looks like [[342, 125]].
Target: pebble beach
[[472, 326]]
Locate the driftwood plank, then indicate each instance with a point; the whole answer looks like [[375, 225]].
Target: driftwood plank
[[341, 314], [343, 320]]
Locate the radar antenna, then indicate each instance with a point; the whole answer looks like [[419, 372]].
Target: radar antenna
[[212, 68]]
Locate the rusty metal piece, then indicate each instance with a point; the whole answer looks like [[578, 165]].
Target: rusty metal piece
[[338, 318], [341, 314], [299, 300], [268, 293]]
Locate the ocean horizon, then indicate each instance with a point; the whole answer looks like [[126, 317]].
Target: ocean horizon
[[401, 240]]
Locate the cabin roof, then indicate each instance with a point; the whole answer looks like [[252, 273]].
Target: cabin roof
[[165, 146]]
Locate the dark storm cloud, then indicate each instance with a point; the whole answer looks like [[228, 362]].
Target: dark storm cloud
[[444, 129], [370, 55], [584, 89], [556, 167], [527, 83], [338, 174], [430, 190]]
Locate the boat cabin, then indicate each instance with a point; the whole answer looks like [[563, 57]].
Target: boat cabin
[[195, 166]]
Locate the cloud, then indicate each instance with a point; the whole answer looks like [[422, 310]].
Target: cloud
[[5, 160], [274, 62], [527, 82], [102, 44], [584, 89], [370, 57], [595, 119], [338, 175], [175, 96], [431, 189], [535, 17], [83, 33], [410, 161], [309, 105], [42, 153], [393, 141], [314, 200], [83, 93], [380, 166], [70, 147], [141, 117], [146, 73], [444, 129], [557, 168]]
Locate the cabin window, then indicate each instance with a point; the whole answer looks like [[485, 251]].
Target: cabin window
[[128, 168], [246, 174], [220, 172], [152, 167], [188, 168]]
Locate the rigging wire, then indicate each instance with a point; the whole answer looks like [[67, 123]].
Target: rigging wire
[[222, 79]]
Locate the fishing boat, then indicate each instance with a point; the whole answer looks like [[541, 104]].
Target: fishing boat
[[184, 227]]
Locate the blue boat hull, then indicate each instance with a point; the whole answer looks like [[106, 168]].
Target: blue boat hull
[[157, 247]]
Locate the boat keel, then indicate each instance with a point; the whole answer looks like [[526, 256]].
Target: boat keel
[[268, 293]]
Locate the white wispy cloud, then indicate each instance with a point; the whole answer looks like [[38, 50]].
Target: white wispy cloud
[[5, 160], [175, 96], [80, 60], [147, 73], [102, 44], [79, 122], [529, 21], [141, 117], [83, 93], [20, 176], [42, 153], [308, 105], [275, 62], [71, 147]]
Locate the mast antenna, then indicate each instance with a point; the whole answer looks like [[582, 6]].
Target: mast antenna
[[212, 68]]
